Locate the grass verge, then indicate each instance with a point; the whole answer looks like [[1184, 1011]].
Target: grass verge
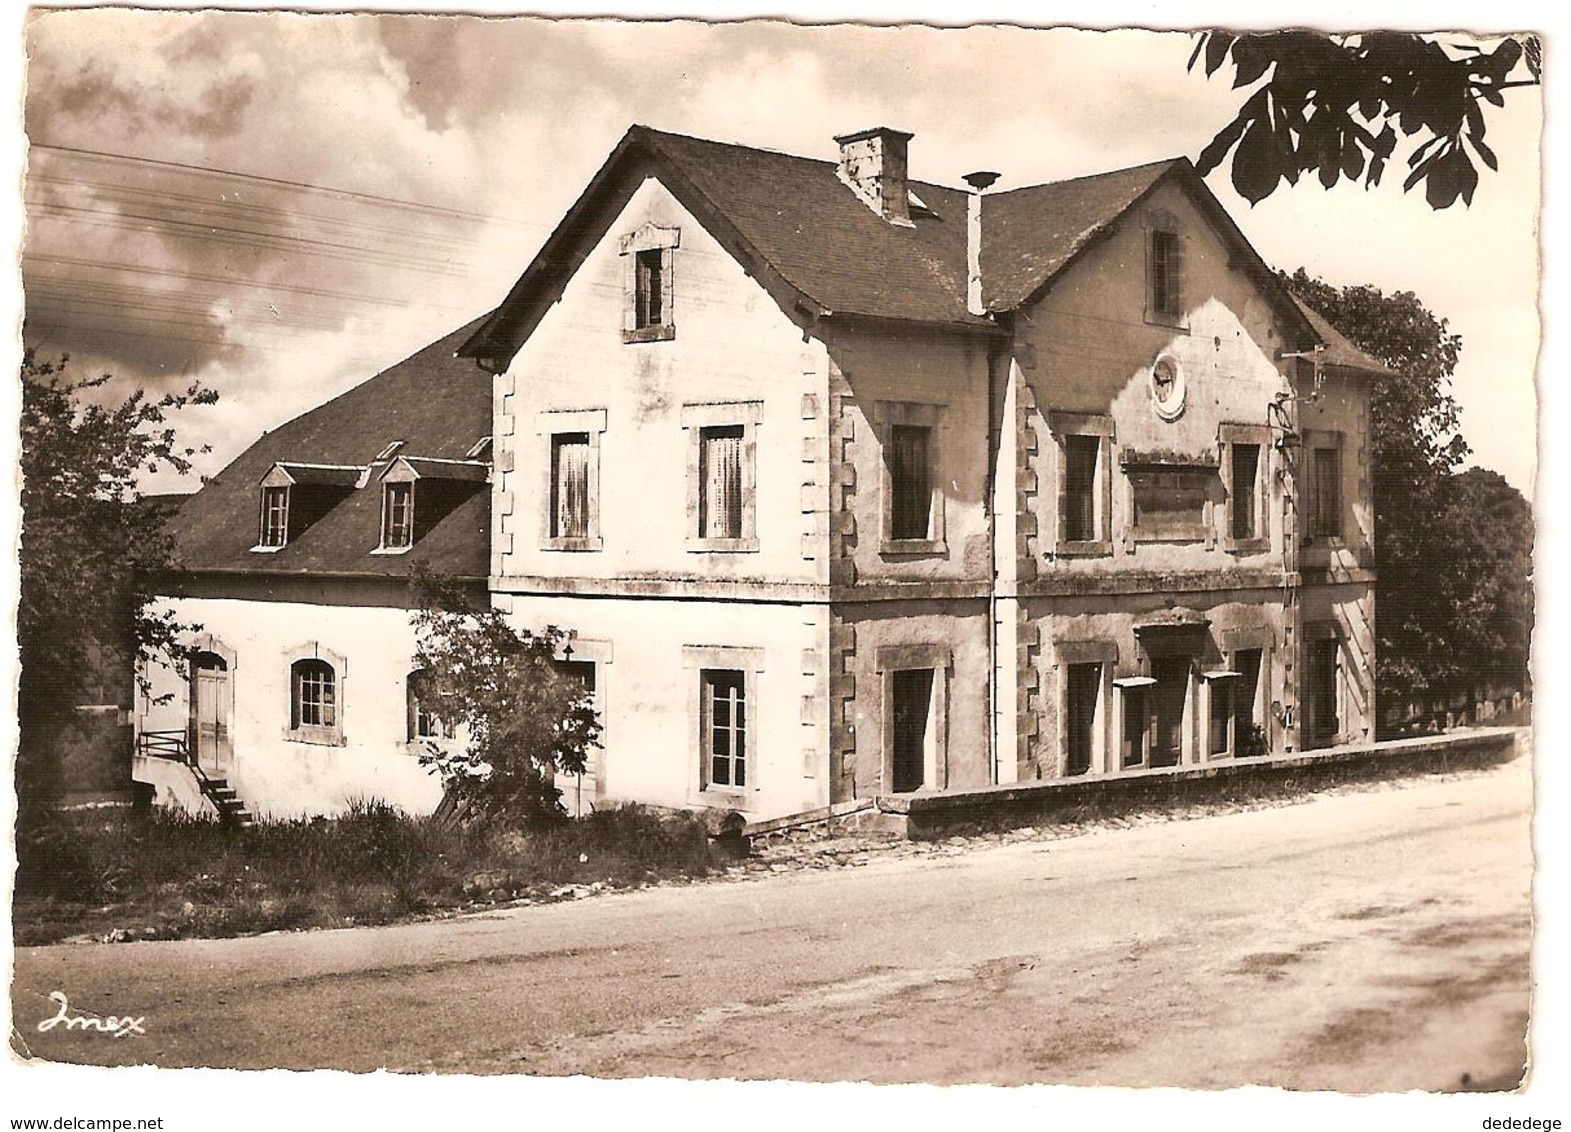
[[115, 875]]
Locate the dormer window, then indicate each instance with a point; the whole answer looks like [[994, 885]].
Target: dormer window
[[398, 516], [649, 253], [275, 517], [444, 486], [296, 495]]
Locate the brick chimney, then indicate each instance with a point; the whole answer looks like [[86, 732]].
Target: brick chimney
[[873, 163]]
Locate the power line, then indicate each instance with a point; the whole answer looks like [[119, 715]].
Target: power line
[[231, 281], [347, 194]]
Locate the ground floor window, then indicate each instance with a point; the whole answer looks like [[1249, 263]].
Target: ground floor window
[[1222, 690], [724, 710], [1321, 692], [1251, 731], [1082, 693], [1135, 741], [423, 720], [1169, 700], [912, 709], [1155, 714]]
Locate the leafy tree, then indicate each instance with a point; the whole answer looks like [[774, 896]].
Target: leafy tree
[[516, 717], [89, 551], [1339, 106], [1491, 526], [1453, 607]]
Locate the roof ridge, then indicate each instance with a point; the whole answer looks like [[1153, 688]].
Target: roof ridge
[[1166, 163], [656, 133]]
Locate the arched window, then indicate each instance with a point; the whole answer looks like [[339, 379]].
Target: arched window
[[313, 701], [421, 702]]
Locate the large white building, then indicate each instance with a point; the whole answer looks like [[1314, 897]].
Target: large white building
[[847, 484]]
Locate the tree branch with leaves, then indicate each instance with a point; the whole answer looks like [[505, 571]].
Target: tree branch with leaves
[[515, 717], [90, 548], [1342, 105]]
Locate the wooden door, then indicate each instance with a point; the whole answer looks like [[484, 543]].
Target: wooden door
[[210, 711]]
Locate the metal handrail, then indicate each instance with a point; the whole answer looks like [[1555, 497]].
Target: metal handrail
[[174, 745]]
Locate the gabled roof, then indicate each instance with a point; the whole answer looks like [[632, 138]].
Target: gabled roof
[[818, 249], [1031, 234], [802, 232], [438, 404], [1339, 350]]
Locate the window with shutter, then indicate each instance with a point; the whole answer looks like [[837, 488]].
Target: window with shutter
[[1165, 271], [1080, 487], [1244, 501], [570, 485], [1327, 480], [720, 473], [911, 482], [722, 493]]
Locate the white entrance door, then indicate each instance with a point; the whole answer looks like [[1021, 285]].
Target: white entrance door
[[211, 704]]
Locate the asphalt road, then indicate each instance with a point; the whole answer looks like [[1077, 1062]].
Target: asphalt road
[[1358, 942]]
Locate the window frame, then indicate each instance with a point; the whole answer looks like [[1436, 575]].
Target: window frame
[[1070, 654], [696, 419], [265, 526], [549, 425], [700, 660], [1063, 425], [638, 248], [1162, 229], [413, 711], [1323, 635], [385, 544], [888, 416], [890, 659], [1231, 436], [329, 734], [1315, 444]]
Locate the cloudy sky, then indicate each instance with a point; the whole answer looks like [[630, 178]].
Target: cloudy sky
[[282, 204]]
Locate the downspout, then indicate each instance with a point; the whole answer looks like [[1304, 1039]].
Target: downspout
[[979, 182]]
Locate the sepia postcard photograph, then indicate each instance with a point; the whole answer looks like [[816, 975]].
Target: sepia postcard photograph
[[729, 566]]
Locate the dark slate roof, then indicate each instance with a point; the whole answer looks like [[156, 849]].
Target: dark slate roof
[[1029, 235], [799, 216], [812, 242], [439, 405], [805, 235], [1339, 350]]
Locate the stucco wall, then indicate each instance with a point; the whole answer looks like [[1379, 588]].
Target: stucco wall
[[920, 368], [875, 634], [279, 777], [649, 653], [1088, 347], [731, 344]]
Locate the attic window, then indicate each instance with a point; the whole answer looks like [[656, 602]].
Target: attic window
[[275, 518], [398, 512], [387, 453], [481, 450], [445, 485], [649, 303], [294, 496], [1164, 274]]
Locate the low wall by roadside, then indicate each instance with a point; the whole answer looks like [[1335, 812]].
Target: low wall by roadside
[[928, 815]]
